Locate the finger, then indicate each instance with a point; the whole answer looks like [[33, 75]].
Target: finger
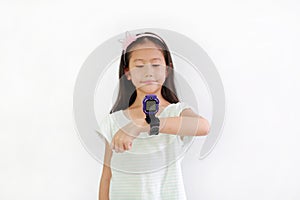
[[120, 146], [120, 150], [117, 149], [128, 146], [112, 145]]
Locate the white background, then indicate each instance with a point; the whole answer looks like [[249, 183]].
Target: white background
[[255, 46]]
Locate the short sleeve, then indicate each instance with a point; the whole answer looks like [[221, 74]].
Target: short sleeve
[[182, 106], [174, 110], [105, 128]]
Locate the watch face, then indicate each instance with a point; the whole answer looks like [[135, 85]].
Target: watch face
[[151, 106]]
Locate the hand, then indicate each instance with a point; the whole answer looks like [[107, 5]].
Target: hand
[[123, 139]]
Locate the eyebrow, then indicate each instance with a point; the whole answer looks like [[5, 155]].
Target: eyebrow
[[139, 59]]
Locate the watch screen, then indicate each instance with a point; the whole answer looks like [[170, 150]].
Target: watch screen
[[151, 105]]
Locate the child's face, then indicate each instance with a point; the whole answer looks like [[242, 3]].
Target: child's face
[[147, 68]]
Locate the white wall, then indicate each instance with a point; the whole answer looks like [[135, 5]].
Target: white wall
[[255, 46]]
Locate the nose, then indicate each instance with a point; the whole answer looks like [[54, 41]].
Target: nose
[[148, 70], [148, 75]]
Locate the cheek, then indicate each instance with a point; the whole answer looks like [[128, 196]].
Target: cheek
[[135, 77], [136, 74], [162, 74]]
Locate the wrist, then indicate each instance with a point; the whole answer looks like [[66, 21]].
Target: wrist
[[154, 125], [141, 125]]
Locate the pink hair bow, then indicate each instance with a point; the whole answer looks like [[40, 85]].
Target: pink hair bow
[[129, 38]]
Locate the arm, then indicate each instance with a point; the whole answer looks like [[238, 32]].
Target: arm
[[106, 174], [187, 124]]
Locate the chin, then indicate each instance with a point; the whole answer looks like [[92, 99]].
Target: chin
[[150, 89]]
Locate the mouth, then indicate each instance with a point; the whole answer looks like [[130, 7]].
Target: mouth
[[149, 82]]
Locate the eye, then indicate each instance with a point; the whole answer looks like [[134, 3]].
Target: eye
[[139, 66], [155, 65]]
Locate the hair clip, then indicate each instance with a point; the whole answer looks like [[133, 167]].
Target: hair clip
[[129, 38]]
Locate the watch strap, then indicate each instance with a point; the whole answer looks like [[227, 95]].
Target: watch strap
[[154, 124]]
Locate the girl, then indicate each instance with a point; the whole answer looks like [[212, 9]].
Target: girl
[[143, 166]]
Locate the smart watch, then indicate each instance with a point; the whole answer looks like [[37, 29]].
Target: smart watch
[[150, 108]]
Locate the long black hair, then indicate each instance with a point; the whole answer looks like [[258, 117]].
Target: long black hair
[[127, 91]]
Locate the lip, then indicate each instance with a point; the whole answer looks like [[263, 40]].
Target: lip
[[149, 82]]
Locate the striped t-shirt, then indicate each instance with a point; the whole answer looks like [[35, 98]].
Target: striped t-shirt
[[151, 169]]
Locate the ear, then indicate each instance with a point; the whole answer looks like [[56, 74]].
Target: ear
[[127, 73], [167, 71]]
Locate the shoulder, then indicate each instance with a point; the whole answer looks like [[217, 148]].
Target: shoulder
[[180, 106], [106, 119], [185, 109], [107, 125], [175, 109], [111, 118]]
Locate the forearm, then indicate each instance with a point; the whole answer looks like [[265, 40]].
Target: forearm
[[104, 189], [106, 174], [184, 126]]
